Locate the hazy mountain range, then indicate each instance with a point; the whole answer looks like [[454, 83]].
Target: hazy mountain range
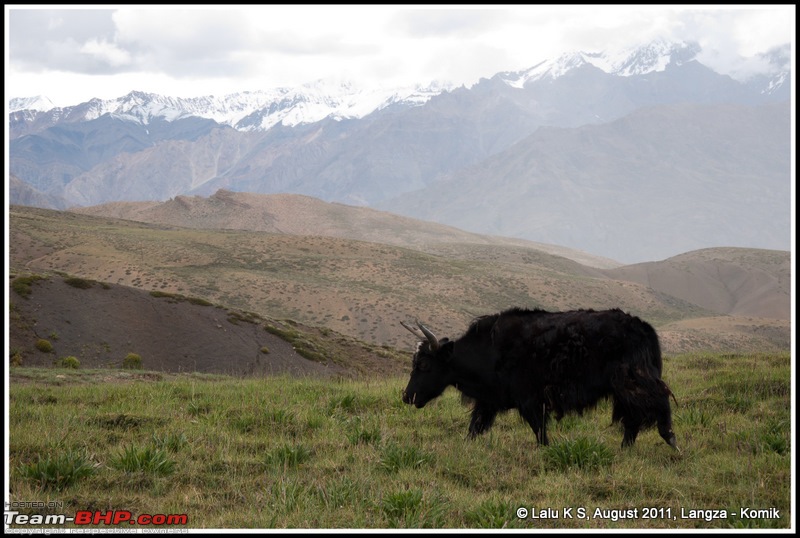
[[632, 155]]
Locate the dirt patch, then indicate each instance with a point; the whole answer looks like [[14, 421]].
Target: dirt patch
[[102, 323]]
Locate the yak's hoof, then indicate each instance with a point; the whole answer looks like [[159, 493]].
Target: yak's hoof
[[673, 442]]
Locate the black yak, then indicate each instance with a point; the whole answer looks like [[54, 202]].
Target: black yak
[[541, 362]]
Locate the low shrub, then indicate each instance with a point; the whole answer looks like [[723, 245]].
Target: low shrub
[[132, 361], [70, 362], [22, 284], [44, 345], [80, 283]]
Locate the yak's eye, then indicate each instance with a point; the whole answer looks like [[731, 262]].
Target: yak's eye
[[423, 365]]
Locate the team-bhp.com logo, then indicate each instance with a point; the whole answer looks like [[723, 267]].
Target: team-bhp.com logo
[[95, 517]]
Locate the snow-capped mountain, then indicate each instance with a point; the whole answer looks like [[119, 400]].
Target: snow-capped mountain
[[250, 110], [322, 99], [36, 103], [625, 63], [262, 109], [768, 73]]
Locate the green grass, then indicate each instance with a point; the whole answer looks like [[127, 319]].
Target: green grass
[[302, 453], [59, 471], [582, 453], [149, 459]]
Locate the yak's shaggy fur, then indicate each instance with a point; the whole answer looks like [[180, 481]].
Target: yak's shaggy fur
[[541, 362]]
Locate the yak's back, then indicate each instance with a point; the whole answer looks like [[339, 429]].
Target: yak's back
[[539, 339]]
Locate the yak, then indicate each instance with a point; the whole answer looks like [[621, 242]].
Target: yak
[[541, 362]]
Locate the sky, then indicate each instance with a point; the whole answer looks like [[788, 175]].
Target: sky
[[72, 55]]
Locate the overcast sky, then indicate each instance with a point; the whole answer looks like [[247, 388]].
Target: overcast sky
[[72, 55]]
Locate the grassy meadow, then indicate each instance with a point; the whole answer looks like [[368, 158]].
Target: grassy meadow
[[310, 454]]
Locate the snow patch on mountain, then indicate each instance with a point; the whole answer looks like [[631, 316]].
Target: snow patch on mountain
[[252, 110], [626, 62], [36, 103], [327, 99]]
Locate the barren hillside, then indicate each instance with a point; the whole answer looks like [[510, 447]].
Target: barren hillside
[[356, 288], [735, 281], [100, 323], [303, 215]]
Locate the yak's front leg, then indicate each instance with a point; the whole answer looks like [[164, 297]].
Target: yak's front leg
[[483, 416]]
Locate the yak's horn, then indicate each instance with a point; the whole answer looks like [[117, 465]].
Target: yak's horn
[[430, 336], [416, 332]]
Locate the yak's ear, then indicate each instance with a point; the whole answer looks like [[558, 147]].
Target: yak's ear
[[446, 349]]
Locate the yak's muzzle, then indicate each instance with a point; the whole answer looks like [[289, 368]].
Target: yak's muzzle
[[411, 399]]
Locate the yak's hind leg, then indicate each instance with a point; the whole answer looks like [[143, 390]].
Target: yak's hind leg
[[631, 431], [536, 415], [483, 416], [630, 419]]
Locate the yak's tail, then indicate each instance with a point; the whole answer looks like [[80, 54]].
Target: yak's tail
[[667, 389]]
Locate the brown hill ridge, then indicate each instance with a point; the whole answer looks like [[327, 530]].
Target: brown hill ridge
[[295, 214], [733, 281]]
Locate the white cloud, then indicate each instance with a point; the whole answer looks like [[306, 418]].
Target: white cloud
[[106, 52], [170, 50]]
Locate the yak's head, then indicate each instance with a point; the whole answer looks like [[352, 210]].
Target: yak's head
[[430, 367]]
